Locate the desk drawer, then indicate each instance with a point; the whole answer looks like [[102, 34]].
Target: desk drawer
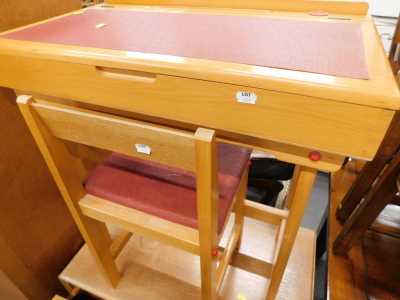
[[295, 119]]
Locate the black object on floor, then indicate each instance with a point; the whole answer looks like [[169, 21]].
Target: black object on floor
[[271, 169], [263, 191], [263, 185], [83, 295]]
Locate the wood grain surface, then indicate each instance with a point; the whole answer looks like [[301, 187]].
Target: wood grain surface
[[26, 12], [345, 273], [153, 270], [349, 7], [37, 232], [35, 223], [370, 269], [310, 110]]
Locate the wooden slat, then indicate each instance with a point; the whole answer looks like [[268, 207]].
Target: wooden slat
[[67, 286], [164, 272], [371, 170], [388, 221], [224, 260], [119, 243], [119, 135], [279, 240], [344, 7], [141, 223], [239, 205], [380, 195], [293, 186], [207, 210], [73, 293], [264, 213]]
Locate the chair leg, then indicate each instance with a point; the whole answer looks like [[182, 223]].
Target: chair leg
[[239, 207], [304, 184], [208, 266], [293, 187], [99, 242], [59, 161], [207, 207]]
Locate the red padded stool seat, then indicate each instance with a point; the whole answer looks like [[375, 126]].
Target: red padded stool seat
[[164, 191]]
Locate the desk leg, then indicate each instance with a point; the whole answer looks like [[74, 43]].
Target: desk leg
[[303, 187]]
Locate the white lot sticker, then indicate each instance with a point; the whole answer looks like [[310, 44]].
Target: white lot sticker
[[143, 148], [244, 97]]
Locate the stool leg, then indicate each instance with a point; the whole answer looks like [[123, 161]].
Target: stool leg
[[304, 184]]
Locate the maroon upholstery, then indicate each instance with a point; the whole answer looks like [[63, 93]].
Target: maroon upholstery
[[165, 191], [330, 48]]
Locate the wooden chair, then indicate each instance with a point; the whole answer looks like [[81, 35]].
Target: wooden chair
[[145, 188], [375, 187], [382, 192]]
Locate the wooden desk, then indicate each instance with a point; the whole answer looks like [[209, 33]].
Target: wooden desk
[[296, 112], [35, 223], [336, 116]]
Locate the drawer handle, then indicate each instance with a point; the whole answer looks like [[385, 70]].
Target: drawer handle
[[127, 74]]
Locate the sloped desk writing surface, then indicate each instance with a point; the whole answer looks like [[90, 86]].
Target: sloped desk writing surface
[[295, 111]]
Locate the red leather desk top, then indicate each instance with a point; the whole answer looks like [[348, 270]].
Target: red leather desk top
[[312, 46]]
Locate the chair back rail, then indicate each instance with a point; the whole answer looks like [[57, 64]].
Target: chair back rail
[[119, 135], [51, 124]]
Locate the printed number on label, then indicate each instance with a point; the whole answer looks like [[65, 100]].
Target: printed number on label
[[244, 97]]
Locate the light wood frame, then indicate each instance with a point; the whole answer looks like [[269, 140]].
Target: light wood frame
[[51, 125], [353, 7], [361, 94]]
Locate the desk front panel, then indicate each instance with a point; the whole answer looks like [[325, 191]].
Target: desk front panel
[[295, 111], [318, 124]]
